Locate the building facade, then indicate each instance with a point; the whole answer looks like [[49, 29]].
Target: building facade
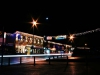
[[25, 43]]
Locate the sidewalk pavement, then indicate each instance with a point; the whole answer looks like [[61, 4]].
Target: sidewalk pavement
[[55, 68]]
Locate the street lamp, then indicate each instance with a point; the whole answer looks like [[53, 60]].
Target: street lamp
[[85, 46], [71, 37], [86, 54], [34, 24]]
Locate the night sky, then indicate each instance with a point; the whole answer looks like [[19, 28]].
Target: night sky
[[63, 18]]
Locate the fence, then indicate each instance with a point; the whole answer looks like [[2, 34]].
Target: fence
[[34, 56]]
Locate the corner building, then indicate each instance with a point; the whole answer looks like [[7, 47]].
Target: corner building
[[22, 43]]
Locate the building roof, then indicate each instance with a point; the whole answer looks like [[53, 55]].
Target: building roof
[[27, 34]]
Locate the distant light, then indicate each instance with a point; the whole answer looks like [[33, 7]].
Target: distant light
[[4, 34], [49, 38], [44, 48], [85, 44], [46, 18], [71, 37]]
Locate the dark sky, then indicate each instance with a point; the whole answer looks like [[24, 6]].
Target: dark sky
[[63, 17]]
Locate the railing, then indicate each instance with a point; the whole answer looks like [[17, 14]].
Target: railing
[[35, 55]]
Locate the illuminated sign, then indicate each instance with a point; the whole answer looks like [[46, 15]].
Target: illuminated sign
[[60, 37], [49, 38]]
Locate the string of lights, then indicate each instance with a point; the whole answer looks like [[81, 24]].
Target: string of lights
[[87, 32], [61, 37]]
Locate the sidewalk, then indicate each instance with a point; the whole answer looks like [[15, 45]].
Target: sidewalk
[[56, 68]]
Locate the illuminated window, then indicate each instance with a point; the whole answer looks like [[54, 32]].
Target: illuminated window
[[21, 38], [30, 40], [38, 41], [34, 40], [26, 39], [41, 41], [17, 37]]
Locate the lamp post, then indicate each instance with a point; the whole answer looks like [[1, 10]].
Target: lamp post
[[86, 54], [34, 23], [71, 38], [2, 52]]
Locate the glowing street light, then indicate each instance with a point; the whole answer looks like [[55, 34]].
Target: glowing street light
[[71, 37], [34, 24], [85, 44]]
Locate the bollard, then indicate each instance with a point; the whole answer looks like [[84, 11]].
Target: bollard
[[67, 60], [61, 55], [20, 60], [57, 57], [9, 61], [49, 60], [34, 60], [53, 57]]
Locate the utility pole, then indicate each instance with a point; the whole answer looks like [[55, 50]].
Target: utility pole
[[2, 47]]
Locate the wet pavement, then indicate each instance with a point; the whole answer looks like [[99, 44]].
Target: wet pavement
[[16, 60], [55, 68]]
